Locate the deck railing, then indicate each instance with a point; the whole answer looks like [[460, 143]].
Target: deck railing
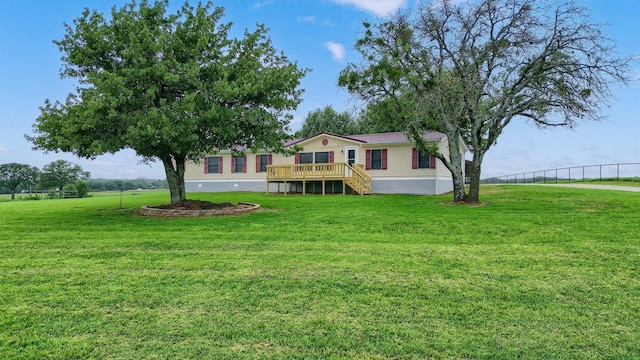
[[354, 176], [303, 171]]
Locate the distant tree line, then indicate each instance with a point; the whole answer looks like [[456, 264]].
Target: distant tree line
[[62, 176], [126, 185]]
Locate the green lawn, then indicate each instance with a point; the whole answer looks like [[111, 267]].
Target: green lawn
[[621, 182], [631, 181], [538, 272]]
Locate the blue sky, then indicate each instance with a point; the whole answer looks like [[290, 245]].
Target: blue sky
[[317, 34]]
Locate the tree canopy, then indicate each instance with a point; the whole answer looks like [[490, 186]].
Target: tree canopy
[[61, 173], [377, 117], [468, 69], [172, 87], [13, 175], [328, 120]]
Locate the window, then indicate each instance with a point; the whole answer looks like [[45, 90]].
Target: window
[[213, 165], [421, 160], [305, 158], [262, 161], [239, 164], [322, 157], [376, 159], [351, 156]]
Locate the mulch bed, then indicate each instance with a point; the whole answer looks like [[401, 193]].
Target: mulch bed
[[196, 205], [197, 208]]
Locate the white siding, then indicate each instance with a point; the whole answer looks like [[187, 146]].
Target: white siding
[[404, 186], [445, 186]]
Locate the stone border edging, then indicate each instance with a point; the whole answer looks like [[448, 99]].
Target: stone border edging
[[156, 212]]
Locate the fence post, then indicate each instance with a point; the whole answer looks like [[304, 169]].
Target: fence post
[[617, 172]]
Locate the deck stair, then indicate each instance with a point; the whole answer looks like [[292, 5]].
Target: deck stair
[[357, 179]]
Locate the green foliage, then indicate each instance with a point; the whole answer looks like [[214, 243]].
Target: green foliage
[[82, 189], [61, 173], [537, 273], [388, 115], [328, 120], [172, 87], [378, 117], [14, 175]]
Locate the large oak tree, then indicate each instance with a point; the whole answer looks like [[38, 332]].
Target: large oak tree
[[468, 69], [172, 87]]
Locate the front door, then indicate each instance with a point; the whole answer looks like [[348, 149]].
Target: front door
[[351, 154]]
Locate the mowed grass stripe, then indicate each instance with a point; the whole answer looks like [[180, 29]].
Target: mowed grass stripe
[[537, 272]]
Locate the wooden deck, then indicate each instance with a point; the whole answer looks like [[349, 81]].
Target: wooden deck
[[350, 175]]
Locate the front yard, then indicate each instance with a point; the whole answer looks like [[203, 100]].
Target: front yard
[[539, 272]]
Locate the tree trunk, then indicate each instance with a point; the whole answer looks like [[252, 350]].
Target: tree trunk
[[474, 186], [455, 166], [458, 187], [174, 169], [13, 194]]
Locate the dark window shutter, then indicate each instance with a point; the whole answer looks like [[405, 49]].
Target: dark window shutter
[[331, 156], [367, 165], [257, 163], [432, 162], [298, 158], [233, 164], [384, 159], [270, 159], [206, 165], [414, 159], [220, 165], [244, 164]]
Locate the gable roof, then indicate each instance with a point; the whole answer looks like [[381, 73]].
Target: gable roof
[[312, 137], [380, 138]]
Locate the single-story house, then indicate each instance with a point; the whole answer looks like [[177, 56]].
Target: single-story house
[[386, 163]]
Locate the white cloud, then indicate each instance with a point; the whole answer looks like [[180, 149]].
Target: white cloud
[[377, 7], [261, 4], [310, 18], [2, 148], [336, 49]]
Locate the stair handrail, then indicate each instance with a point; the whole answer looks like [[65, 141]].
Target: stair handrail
[[363, 180]]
